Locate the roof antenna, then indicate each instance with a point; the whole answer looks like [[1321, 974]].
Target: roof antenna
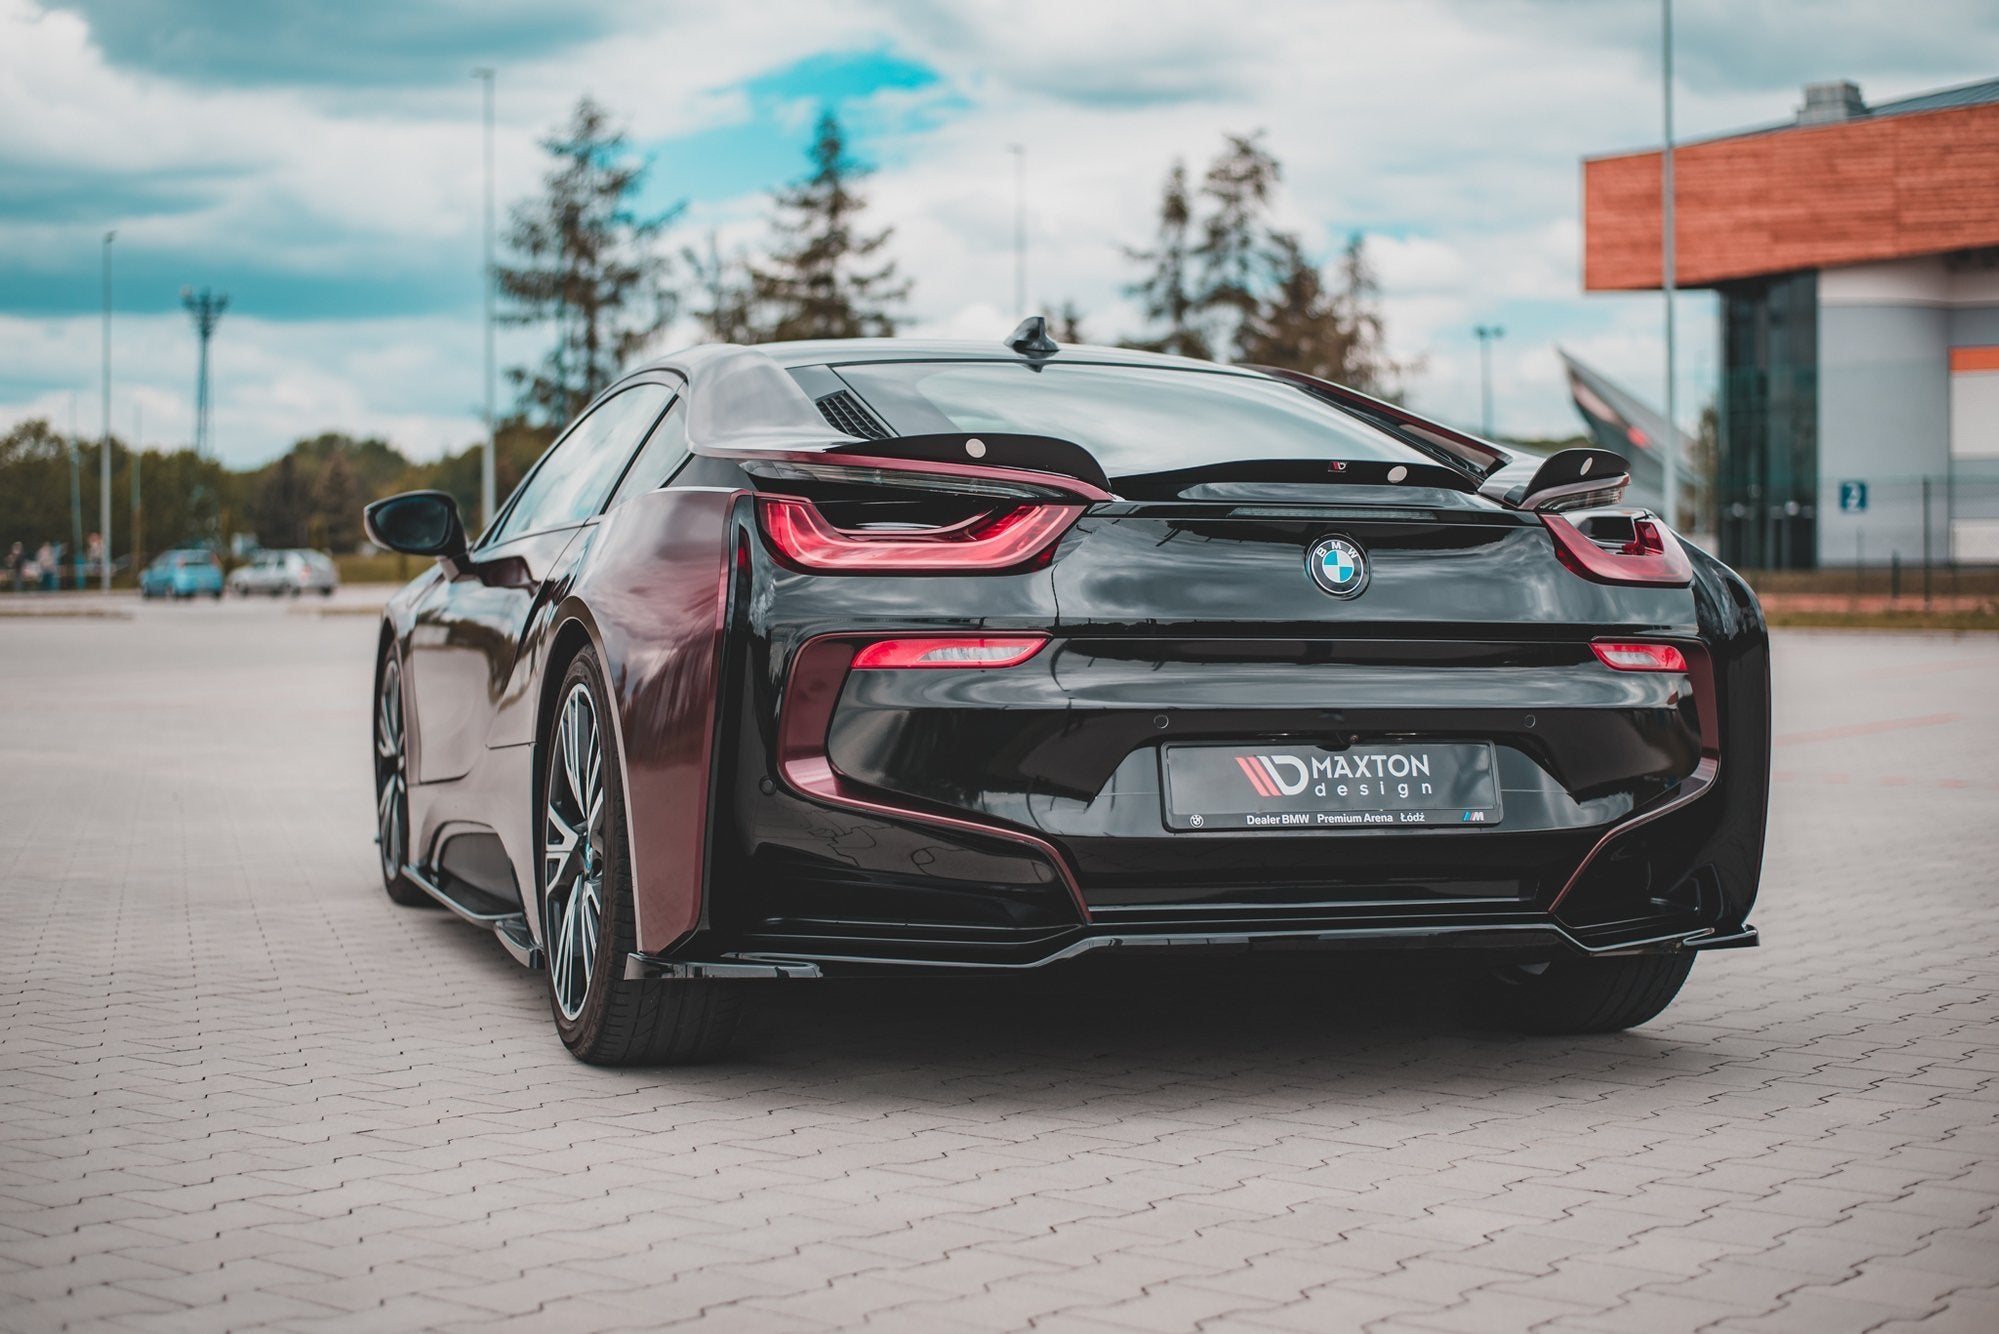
[[1031, 339]]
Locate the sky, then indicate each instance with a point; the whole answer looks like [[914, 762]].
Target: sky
[[321, 165]]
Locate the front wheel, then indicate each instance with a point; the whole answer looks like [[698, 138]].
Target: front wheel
[[1582, 995], [392, 794], [588, 925]]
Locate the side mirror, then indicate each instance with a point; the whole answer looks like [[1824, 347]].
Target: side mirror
[[1575, 479], [419, 523]]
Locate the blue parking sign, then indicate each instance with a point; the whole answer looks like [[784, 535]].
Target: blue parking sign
[[1853, 497]]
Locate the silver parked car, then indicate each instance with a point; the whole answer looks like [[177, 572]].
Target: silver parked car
[[285, 572]]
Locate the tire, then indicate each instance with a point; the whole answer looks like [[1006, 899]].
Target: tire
[[1582, 995], [392, 798], [584, 887]]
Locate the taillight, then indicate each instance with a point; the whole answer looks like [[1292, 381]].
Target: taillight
[[1652, 556], [957, 651], [1020, 535], [1638, 657]]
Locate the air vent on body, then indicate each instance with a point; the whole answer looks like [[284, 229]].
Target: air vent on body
[[846, 413]]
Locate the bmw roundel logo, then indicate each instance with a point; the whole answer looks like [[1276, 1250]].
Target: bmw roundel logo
[[1338, 566]]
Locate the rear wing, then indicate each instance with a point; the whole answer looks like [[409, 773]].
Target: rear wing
[[749, 410]]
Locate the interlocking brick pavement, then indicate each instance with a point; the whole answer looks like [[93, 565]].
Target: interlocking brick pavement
[[239, 1089]]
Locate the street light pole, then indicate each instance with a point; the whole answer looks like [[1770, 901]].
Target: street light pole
[[75, 552], [1486, 333], [206, 307], [1669, 272], [138, 447], [104, 456], [486, 473], [1019, 152]]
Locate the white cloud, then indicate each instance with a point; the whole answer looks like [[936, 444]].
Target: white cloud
[[1451, 133]]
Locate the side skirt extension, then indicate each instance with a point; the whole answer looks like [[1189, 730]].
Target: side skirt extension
[[510, 925]]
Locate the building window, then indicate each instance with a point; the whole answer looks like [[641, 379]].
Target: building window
[[1767, 486]]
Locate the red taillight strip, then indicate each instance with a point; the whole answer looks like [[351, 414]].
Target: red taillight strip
[[1653, 556], [959, 651], [1020, 536], [812, 690], [1639, 656]]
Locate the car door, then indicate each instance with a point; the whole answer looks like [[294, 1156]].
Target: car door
[[468, 625]]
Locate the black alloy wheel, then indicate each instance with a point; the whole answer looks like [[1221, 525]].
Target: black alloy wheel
[[588, 923], [392, 796]]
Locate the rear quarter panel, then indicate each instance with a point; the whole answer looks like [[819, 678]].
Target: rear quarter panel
[[653, 595]]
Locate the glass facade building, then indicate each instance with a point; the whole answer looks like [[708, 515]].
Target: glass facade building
[[1767, 483]]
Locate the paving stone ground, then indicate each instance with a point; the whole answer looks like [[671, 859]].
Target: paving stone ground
[[239, 1089]]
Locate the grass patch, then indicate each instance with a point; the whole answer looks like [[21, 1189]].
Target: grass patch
[[391, 567]]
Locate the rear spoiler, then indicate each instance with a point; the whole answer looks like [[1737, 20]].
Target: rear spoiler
[[1431, 437], [1569, 479], [750, 411]]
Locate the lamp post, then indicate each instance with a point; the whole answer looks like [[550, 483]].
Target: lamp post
[[206, 307], [1019, 152], [1669, 274], [75, 552], [1486, 333], [138, 448], [104, 452], [486, 474]]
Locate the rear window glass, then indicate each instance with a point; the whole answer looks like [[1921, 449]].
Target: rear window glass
[[1133, 419]]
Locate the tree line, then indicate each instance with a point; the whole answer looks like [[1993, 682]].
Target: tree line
[[311, 496], [1219, 279]]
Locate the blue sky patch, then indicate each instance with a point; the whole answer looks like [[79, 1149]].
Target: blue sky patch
[[769, 149]]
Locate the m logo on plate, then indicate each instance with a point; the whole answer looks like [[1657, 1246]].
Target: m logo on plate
[[1338, 566]]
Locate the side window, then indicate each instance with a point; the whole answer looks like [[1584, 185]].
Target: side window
[[568, 486], [661, 457]]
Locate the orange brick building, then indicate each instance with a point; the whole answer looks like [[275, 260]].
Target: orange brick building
[[1855, 250]]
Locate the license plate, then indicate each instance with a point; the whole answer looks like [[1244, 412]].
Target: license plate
[[1281, 786]]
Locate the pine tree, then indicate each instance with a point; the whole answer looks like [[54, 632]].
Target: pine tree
[[726, 315], [1240, 253], [1333, 331], [281, 509], [336, 500], [588, 264], [1164, 294], [818, 283], [1067, 326]]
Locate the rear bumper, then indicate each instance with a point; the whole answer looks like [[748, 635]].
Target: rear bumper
[[861, 956], [1002, 820]]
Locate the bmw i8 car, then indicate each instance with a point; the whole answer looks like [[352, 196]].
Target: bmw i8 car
[[891, 657]]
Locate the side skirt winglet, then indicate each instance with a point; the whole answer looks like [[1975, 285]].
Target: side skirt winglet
[[511, 926]]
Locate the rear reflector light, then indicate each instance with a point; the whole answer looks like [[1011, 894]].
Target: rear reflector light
[[1641, 657], [1003, 540], [1006, 651], [1652, 556]]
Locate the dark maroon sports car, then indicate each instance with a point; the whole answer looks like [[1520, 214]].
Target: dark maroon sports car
[[876, 657]]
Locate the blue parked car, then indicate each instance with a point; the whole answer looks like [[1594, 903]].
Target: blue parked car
[[182, 574]]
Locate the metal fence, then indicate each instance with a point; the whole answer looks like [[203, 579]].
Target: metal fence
[[1945, 519]]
